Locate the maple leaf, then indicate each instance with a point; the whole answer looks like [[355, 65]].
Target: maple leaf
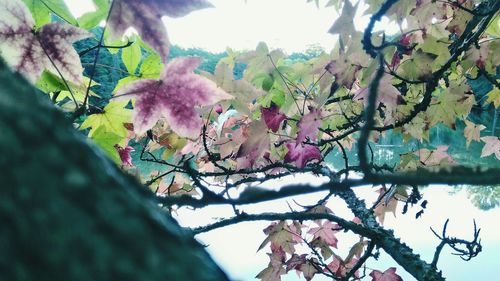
[[491, 146], [281, 236], [145, 17], [260, 61], [112, 119], [340, 268], [343, 70], [494, 97], [244, 92], [273, 117], [295, 262], [301, 154], [388, 275], [386, 94], [436, 157], [309, 269], [124, 153], [174, 96], [326, 232], [274, 270], [344, 25], [308, 126], [254, 146], [472, 131], [31, 51], [42, 10]]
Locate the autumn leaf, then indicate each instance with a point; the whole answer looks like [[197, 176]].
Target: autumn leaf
[[388, 275], [280, 235], [301, 154], [254, 147], [343, 70], [386, 94], [472, 131], [436, 157], [344, 25], [244, 93], [145, 17], [124, 153], [30, 51], [272, 117], [491, 146], [494, 97], [308, 126], [386, 204], [340, 267], [326, 232], [274, 270], [295, 262], [174, 96]]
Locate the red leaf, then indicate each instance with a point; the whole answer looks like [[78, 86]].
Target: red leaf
[[174, 97], [388, 275], [309, 126], [273, 117], [28, 52], [301, 154], [145, 17]]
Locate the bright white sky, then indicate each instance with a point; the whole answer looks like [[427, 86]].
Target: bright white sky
[[292, 25]]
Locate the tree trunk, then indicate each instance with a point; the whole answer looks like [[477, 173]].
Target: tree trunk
[[68, 213]]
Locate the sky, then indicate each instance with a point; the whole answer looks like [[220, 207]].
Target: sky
[[292, 25]]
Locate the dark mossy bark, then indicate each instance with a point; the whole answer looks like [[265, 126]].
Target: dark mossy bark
[[68, 213]]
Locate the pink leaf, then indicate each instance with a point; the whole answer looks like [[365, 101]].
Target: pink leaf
[[273, 117], [301, 154], [309, 126], [295, 262], [28, 52], [145, 17], [340, 268], [388, 275], [326, 232], [174, 97], [435, 157], [386, 94], [491, 146]]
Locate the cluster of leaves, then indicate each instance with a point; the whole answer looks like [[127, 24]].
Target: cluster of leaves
[[201, 130]]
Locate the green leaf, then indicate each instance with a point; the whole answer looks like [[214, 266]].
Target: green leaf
[[107, 141], [112, 119], [42, 9], [151, 67], [131, 57]]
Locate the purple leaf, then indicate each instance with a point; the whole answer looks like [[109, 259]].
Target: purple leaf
[[309, 126], [124, 153], [301, 154], [174, 97], [145, 17], [273, 117], [28, 52]]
